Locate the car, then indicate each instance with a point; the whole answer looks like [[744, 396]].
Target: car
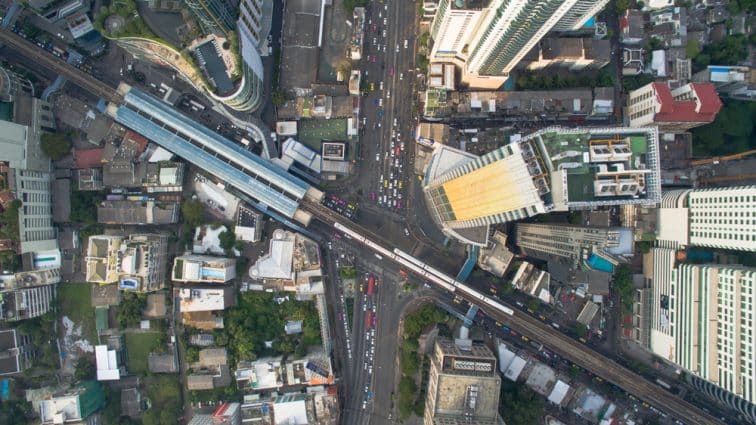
[[375, 58], [406, 233], [401, 76], [399, 196], [397, 48], [385, 21], [400, 184], [372, 86], [380, 105], [366, 388], [377, 157], [406, 43], [381, 85], [395, 121], [384, 33], [375, 40], [388, 94], [380, 15], [391, 71]]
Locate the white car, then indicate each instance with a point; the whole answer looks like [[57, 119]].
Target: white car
[[381, 85], [395, 121], [377, 157], [406, 43], [388, 94], [397, 48], [401, 76]]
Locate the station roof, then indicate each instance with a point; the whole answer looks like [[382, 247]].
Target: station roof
[[221, 157]]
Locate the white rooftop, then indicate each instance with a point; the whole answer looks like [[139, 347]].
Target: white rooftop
[[277, 264], [200, 299], [291, 411], [559, 392], [107, 364]]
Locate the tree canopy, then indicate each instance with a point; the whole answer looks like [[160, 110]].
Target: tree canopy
[[192, 210], [623, 284], [56, 145], [519, 405], [85, 369], [731, 132], [130, 310], [729, 51]]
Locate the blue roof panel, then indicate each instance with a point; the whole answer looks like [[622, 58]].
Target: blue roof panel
[[214, 141], [205, 160]]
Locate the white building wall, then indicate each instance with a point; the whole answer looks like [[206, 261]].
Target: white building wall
[[724, 218], [642, 105], [579, 14]]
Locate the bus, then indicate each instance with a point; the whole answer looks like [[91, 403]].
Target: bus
[[371, 286]]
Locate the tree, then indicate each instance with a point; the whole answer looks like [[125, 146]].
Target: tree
[[623, 285], [351, 4], [227, 240], [278, 97], [192, 210], [519, 405], [85, 369], [534, 304], [130, 310], [731, 132], [56, 145], [84, 206], [692, 48]]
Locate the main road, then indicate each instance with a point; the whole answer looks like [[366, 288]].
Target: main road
[[554, 340]]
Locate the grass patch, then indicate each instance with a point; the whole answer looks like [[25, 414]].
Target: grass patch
[[75, 302], [165, 395], [139, 346]]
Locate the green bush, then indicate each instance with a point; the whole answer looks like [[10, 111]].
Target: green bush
[[56, 145]]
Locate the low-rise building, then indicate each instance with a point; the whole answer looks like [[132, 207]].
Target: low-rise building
[[196, 299], [735, 82], [249, 225], [143, 211], [73, 405], [107, 364], [318, 406], [203, 269], [136, 264], [211, 371], [572, 53], [225, 414], [277, 373]]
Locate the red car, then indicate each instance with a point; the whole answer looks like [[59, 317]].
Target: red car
[[374, 59], [391, 71]]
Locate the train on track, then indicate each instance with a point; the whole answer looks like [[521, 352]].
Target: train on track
[[431, 274]]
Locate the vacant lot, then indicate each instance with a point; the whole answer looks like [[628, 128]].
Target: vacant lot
[[75, 302], [138, 346]]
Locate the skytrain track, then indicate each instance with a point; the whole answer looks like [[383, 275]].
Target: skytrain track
[[59, 66], [556, 341]]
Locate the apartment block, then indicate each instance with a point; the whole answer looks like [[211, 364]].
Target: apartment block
[[203, 269], [136, 263], [674, 110]]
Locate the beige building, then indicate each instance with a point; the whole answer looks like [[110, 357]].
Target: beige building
[[463, 386], [137, 263]]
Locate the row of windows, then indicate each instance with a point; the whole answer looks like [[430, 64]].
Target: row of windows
[[729, 236], [722, 199]]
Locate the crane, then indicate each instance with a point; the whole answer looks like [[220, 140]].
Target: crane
[[717, 159]]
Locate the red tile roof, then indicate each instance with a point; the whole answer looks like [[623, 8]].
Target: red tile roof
[[703, 108], [137, 138], [88, 158]]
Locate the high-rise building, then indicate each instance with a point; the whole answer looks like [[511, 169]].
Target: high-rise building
[[554, 169], [215, 16], [686, 107], [463, 386], [488, 39], [28, 175], [137, 263], [701, 318], [574, 243], [715, 218], [579, 14]]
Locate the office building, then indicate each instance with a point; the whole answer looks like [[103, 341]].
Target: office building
[[270, 187], [701, 320], [15, 352], [554, 169], [714, 218], [487, 39], [136, 264], [577, 244], [27, 170], [203, 269], [463, 386], [215, 16], [677, 110]]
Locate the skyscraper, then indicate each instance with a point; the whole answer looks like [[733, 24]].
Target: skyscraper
[[488, 41], [715, 218], [555, 169], [215, 16], [701, 318]]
